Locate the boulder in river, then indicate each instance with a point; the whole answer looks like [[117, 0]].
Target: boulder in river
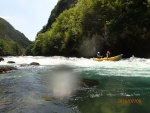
[[34, 63], [84, 82], [1, 59], [24, 65], [4, 69], [10, 62]]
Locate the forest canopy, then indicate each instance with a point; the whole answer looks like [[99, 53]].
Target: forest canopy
[[88, 26]]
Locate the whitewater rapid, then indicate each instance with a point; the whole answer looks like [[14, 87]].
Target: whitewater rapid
[[126, 67]]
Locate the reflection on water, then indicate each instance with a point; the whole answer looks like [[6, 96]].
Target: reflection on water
[[53, 89]]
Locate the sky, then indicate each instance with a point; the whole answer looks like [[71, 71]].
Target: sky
[[27, 16]]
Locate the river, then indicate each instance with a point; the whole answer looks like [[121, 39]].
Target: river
[[124, 86]]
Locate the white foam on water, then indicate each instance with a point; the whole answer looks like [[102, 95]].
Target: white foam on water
[[124, 66], [81, 62]]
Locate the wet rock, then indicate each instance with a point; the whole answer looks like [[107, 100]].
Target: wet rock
[[1, 59], [4, 69], [88, 82], [34, 63], [10, 62], [24, 65], [85, 85]]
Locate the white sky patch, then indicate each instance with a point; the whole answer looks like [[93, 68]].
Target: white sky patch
[[27, 16], [6, 17]]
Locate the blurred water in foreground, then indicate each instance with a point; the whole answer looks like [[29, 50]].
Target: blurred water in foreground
[[53, 87]]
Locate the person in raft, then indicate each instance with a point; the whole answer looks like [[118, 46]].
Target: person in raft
[[108, 54], [98, 55]]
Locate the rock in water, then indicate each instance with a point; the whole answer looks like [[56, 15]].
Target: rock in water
[[34, 63], [1, 59], [10, 62], [24, 65], [88, 82], [4, 69]]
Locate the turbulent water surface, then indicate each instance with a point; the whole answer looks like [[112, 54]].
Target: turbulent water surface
[[124, 86]]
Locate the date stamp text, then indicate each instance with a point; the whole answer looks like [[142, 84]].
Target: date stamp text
[[129, 101]]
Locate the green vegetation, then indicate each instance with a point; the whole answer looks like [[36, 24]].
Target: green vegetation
[[12, 42], [121, 26], [9, 47], [59, 8]]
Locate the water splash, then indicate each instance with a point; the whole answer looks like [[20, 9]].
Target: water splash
[[120, 68]]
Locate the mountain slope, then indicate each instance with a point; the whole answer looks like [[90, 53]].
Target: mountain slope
[[59, 8], [12, 42]]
